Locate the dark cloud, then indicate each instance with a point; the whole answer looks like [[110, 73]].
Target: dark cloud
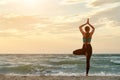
[[104, 17]]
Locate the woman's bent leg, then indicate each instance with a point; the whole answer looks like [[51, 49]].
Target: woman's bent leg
[[79, 52]]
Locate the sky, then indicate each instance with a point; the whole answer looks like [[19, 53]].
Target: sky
[[52, 26]]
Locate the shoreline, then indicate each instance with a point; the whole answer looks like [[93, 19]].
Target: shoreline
[[15, 77]]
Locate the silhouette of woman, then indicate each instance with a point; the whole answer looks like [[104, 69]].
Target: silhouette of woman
[[87, 48]]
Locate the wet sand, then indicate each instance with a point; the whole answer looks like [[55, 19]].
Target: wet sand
[[10, 77]]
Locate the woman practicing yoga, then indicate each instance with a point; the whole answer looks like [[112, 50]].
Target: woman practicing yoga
[[87, 48]]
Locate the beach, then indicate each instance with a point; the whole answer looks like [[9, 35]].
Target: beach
[[11, 77]]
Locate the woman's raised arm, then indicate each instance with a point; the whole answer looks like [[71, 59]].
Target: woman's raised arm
[[93, 29], [81, 30]]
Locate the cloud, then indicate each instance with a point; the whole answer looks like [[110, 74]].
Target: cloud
[[5, 2], [22, 25], [72, 1], [64, 24], [110, 14], [66, 19], [103, 2], [11, 33], [67, 24]]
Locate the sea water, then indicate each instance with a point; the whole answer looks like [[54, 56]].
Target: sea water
[[59, 64]]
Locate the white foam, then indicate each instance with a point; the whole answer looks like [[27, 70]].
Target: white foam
[[68, 66], [104, 74], [60, 73], [63, 74], [83, 74], [115, 61]]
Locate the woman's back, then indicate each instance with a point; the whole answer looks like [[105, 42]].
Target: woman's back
[[86, 38]]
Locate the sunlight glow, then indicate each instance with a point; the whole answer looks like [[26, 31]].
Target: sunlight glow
[[31, 2]]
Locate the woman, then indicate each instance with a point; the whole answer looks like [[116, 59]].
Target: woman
[[87, 48]]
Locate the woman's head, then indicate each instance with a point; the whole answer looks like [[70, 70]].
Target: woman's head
[[87, 29]]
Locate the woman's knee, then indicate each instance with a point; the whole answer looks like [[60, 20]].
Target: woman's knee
[[74, 52], [78, 52]]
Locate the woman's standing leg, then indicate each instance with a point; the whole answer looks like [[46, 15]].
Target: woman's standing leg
[[87, 64], [88, 57]]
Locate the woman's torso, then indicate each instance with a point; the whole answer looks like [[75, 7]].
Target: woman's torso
[[87, 38]]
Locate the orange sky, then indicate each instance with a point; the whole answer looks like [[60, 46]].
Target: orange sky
[[51, 26]]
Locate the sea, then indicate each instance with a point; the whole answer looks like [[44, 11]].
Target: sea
[[59, 64]]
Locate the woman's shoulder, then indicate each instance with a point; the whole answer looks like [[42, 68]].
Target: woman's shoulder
[[88, 35]]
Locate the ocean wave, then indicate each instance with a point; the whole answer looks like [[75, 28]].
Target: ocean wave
[[104, 74], [68, 66], [105, 58], [115, 62], [45, 65], [60, 73], [66, 58], [100, 66]]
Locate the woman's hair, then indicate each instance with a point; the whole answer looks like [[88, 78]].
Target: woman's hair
[[87, 29]]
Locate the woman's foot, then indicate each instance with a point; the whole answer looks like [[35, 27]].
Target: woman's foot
[[86, 74]]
